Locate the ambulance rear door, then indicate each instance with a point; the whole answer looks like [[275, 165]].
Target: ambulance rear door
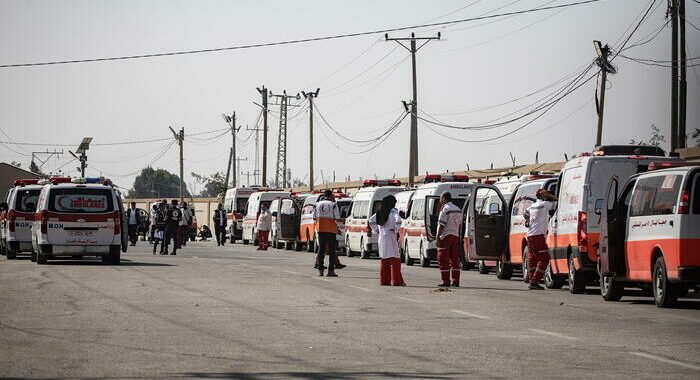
[[606, 209], [486, 223], [288, 219]]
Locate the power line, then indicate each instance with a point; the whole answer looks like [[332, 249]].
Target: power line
[[296, 41], [359, 142]]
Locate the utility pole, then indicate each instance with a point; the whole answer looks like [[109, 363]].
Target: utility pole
[[311, 96], [673, 9], [263, 92], [413, 148], [82, 149], [35, 156], [605, 68], [180, 137], [256, 171], [281, 168], [231, 120], [682, 97]]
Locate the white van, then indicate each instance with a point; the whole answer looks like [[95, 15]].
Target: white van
[[17, 216], [79, 217], [364, 204], [250, 220], [421, 223], [235, 202], [650, 233]]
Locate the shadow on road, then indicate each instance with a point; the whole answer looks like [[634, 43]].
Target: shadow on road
[[322, 375], [123, 263]]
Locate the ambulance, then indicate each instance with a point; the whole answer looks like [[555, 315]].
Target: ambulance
[[79, 217], [235, 202], [286, 215], [364, 204], [250, 220], [403, 205], [574, 229], [422, 222], [307, 225], [17, 216], [650, 233]]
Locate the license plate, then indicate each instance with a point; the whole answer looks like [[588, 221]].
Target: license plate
[[80, 233]]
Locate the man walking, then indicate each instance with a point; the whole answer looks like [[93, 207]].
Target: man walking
[[133, 219], [326, 214], [220, 224], [449, 221], [264, 226], [172, 220], [537, 222], [153, 217]]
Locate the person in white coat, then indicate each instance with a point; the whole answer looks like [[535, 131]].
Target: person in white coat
[[386, 224]]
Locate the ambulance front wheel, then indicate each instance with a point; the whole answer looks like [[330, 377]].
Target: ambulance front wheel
[[483, 269], [364, 252], [424, 257], [504, 271], [552, 281], [348, 250], [665, 293], [409, 260], [577, 279], [610, 289]]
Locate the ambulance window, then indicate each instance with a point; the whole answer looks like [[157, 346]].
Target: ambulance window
[[24, 198], [81, 200], [343, 208], [359, 209], [656, 195], [228, 205], [240, 204], [525, 198], [696, 194], [417, 209], [459, 202], [251, 209]]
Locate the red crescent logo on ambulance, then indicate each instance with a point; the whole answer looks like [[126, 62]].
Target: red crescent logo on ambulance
[[59, 202]]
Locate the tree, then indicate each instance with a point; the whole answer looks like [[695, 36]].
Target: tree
[[34, 168], [15, 163], [157, 183], [656, 138], [696, 135], [214, 184]]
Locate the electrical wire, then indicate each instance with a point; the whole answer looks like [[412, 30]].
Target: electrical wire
[[354, 141], [297, 41]]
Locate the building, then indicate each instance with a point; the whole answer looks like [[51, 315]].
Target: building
[[10, 173]]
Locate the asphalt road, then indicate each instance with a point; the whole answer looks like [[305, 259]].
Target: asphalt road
[[235, 313]]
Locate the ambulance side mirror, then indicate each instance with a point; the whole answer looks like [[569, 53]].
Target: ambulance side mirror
[[598, 206]]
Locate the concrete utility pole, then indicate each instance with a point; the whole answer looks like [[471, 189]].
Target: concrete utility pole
[[281, 168], [682, 96], [231, 120], [413, 148], [673, 9], [180, 137], [605, 68], [256, 171], [311, 96], [263, 93]]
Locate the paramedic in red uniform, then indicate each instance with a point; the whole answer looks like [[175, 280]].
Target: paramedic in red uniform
[[449, 221], [326, 214], [264, 226], [537, 220], [386, 224]]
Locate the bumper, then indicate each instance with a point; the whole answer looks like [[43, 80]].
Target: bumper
[[79, 250], [689, 274], [19, 246]]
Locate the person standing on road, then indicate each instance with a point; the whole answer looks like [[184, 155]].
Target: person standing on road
[[158, 225], [172, 220], [264, 226], [133, 219], [220, 224], [447, 240], [328, 194], [386, 224], [185, 222], [153, 216], [537, 221], [326, 214]]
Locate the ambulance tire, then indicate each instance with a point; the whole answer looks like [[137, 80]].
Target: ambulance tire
[[310, 246], [409, 260], [526, 271], [33, 256], [424, 257], [10, 254], [665, 293], [114, 256], [41, 259], [466, 265], [2, 247], [610, 289], [483, 269], [552, 281], [287, 245], [297, 245], [364, 252], [504, 271], [244, 242], [577, 279]]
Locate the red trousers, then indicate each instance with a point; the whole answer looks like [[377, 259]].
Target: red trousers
[[538, 257], [263, 241], [390, 272], [448, 259]]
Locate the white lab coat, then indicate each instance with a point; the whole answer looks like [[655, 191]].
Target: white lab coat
[[265, 221], [387, 234]]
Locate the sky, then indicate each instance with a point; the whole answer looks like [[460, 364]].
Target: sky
[[477, 72]]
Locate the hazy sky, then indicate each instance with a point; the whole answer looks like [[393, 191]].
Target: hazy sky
[[475, 65]]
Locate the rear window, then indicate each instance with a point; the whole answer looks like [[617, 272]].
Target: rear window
[[81, 200], [26, 197], [344, 208], [359, 209], [241, 204], [657, 195]]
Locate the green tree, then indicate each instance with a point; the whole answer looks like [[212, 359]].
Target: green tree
[[34, 168], [214, 184], [157, 183], [696, 135], [656, 138]]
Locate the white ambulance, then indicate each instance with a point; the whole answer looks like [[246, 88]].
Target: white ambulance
[[364, 204], [235, 202], [79, 217], [650, 233], [307, 225], [17, 216], [250, 220], [421, 223]]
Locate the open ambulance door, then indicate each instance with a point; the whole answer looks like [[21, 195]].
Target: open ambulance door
[[289, 218], [432, 212], [486, 223], [612, 224], [124, 224]]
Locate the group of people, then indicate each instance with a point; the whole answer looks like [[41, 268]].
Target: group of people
[[169, 222]]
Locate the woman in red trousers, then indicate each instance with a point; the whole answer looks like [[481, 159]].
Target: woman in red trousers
[[386, 223]]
